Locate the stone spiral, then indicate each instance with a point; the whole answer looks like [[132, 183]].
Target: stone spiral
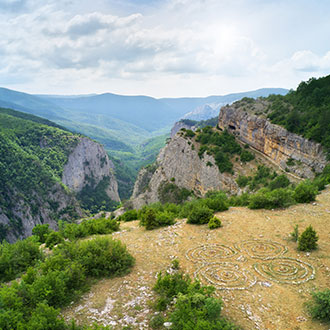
[[226, 276], [285, 270], [261, 249], [210, 253]]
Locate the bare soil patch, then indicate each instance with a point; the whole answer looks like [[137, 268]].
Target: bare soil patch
[[264, 281]]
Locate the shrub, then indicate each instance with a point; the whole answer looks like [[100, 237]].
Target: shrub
[[265, 199], [53, 238], [195, 308], [164, 219], [189, 133], [129, 215], [279, 182], [200, 215], [305, 192], [242, 181], [169, 192], [241, 200], [246, 156], [100, 226], [16, 258], [295, 234], [102, 257], [307, 240], [216, 201], [41, 231], [149, 219], [320, 309], [214, 223]]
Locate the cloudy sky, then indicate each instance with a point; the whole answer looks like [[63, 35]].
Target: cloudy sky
[[161, 47]]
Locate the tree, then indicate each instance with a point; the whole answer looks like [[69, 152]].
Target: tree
[[307, 240]]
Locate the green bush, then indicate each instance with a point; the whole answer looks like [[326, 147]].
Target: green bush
[[305, 192], [280, 181], [200, 215], [240, 200], [16, 258], [295, 234], [265, 199], [216, 201], [169, 192], [320, 309], [214, 223], [157, 215], [307, 240], [242, 181], [129, 216], [53, 238], [41, 231], [57, 281], [246, 156], [102, 257], [99, 226], [195, 307]]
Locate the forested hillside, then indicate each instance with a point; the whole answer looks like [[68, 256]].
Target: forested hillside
[[33, 153], [305, 111]]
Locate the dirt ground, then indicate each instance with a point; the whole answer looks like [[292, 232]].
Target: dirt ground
[[263, 280]]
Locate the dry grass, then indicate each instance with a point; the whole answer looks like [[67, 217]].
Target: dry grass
[[265, 305]]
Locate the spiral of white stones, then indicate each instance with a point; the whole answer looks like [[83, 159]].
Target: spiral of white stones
[[285, 270], [226, 276], [261, 249], [230, 276], [210, 253]]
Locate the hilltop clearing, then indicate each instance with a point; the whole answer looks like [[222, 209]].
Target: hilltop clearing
[[264, 281]]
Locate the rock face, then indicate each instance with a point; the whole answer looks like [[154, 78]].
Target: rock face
[[89, 161], [274, 141], [178, 125], [178, 162]]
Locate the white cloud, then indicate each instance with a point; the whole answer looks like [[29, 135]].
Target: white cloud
[[173, 47]]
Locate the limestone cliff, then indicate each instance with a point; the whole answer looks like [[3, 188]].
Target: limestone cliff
[[179, 162], [179, 125], [89, 162], [288, 150]]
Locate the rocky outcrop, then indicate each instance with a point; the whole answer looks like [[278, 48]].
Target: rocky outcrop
[[178, 162], [38, 210], [89, 163], [288, 150], [178, 126]]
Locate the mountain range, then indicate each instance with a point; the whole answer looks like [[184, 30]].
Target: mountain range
[[131, 128]]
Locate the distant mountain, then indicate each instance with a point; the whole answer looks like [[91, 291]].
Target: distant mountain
[[30, 103], [142, 111]]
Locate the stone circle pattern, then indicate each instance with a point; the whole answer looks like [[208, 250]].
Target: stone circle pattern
[[285, 270], [261, 249], [210, 253], [224, 275]]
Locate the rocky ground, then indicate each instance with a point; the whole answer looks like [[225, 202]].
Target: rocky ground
[[264, 281]]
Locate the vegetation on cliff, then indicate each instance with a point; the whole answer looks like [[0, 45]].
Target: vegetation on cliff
[[33, 153], [222, 146], [305, 111], [32, 157]]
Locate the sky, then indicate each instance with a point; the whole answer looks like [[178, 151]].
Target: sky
[[161, 48]]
